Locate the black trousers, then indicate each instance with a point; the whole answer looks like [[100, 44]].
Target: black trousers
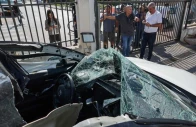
[[55, 38], [148, 38]]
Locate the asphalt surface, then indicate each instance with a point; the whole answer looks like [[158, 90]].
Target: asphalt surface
[[175, 54]]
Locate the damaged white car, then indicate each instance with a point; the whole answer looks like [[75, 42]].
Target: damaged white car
[[68, 88]]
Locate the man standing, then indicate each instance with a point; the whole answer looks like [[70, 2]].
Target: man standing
[[17, 12], [126, 21], [108, 28], [152, 23]]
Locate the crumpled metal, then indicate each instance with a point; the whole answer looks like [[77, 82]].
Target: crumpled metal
[[141, 94], [9, 115]]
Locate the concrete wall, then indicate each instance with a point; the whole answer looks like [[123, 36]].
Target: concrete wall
[[86, 23]]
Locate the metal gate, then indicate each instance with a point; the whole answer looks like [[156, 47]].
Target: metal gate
[[34, 14], [173, 18]]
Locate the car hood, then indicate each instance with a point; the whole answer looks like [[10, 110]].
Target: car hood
[[179, 77]]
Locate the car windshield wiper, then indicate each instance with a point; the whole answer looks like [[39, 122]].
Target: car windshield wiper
[[155, 121]]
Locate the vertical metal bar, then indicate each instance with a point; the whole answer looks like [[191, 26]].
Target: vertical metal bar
[[2, 34], [45, 13], [59, 22], [28, 22], [23, 29], [6, 24], [167, 31], [173, 19], [9, 3], [103, 25], [62, 6], [181, 21], [96, 11], [177, 28], [158, 37], [68, 22], [139, 4], [41, 23], [189, 8], [162, 37], [170, 30], [34, 21]]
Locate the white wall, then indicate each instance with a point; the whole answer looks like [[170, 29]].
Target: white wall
[[85, 23]]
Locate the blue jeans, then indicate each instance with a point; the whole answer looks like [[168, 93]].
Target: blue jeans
[[148, 38], [126, 42]]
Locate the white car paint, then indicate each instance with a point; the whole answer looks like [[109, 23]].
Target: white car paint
[[179, 77]]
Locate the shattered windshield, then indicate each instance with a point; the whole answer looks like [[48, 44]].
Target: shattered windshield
[[141, 95]]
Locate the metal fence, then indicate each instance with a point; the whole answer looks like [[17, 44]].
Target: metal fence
[[34, 15], [173, 12]]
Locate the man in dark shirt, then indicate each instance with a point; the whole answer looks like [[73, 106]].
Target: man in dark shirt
[[17, 12], [126, 21]]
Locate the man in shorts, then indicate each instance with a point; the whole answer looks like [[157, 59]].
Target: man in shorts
[[108, 28]]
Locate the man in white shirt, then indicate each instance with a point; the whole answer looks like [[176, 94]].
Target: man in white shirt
[[152, 23]]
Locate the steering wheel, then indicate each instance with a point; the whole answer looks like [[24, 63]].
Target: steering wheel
[[63, 91]]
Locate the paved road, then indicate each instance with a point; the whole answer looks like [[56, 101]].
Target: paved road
[[174, 54], [39, 34]]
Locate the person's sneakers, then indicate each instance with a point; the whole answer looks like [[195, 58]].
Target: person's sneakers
[[75, 44]]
